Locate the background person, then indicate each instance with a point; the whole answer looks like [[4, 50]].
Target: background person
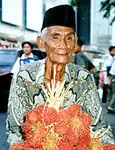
[[110, 59], [111, 103], [26, 57], [58, 36], [103, 84], [81, 59], [104, 76]]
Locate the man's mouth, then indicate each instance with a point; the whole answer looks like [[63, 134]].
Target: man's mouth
[[63, 54]]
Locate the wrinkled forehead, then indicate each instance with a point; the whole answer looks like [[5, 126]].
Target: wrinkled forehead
[[58, 30]]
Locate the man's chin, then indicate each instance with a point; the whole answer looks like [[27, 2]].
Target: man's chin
[[61, 62]]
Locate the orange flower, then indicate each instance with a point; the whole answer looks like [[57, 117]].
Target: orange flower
[[76, 123], [34, 143], [63, 116], [71, 136], [109, 147], [61, 128], [49, 115], [87, 119], [47, 128], [40, 109], [74, 110], [26, 127], [19, 146], [64, 145], [33, 116]]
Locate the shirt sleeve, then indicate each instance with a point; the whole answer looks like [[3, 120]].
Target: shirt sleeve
[[19, 102], [16, 67], [112, 70], [12, 124]]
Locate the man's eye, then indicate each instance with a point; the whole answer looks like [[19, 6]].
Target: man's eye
[[69, 38], [55, 37]]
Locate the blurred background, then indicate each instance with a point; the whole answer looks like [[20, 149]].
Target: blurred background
[[21, 20]]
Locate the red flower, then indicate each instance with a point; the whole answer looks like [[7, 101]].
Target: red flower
[[66, 129], [20, 146], [84, 141], [34, 143], [84, 132], [40, 132], [77, 123], [61, 128], [63, 116], [82, 147], [64, 145], [71, 136], [49, 115], [26, 127], [74, 110], [109, 147], [87, 119], [33, 116], [40, 109]]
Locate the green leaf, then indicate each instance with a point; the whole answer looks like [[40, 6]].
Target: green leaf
[[74, 2], [106, 7]]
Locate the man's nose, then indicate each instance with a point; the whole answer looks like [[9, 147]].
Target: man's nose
[[63, 43]]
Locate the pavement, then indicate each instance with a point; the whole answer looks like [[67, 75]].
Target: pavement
[[3, 138], [110, 117]]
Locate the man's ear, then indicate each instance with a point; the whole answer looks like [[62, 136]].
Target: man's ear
[[75, 49], [40, 43]]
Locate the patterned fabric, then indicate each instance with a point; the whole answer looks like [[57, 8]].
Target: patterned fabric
[[26, 94]]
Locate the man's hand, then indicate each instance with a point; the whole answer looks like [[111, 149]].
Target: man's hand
[[83, 66]]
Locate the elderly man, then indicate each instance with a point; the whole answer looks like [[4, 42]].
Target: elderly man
[[58, 38]]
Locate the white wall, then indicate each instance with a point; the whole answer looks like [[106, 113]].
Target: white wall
[[100, 28], [113, 27], [52, 3], [113, 34], [34, 19], [12, 32]]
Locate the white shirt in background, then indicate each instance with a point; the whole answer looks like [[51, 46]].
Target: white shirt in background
[[16, 68], [112, 70]]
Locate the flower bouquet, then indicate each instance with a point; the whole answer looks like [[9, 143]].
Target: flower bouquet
[[49, 126], [46, 128]]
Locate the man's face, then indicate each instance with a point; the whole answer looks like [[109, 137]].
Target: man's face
[[112, 52], [59, 43], [27, 49]]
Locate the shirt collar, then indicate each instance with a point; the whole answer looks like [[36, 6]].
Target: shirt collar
[[30, 56]]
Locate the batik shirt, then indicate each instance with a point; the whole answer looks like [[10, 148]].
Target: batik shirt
[[26, 93]]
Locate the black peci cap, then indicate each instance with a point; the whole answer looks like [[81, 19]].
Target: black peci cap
[[62, 15]]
